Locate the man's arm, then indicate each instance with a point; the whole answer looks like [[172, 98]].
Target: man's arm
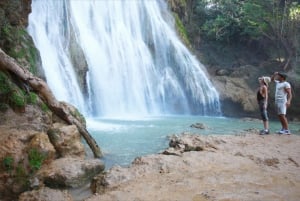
[[273, 76], [289, 96]]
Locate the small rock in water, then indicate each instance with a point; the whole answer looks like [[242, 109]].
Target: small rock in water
[[199, 126]]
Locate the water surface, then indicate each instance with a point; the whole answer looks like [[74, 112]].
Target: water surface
[[122, 140]]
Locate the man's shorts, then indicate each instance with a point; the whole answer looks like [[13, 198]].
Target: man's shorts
[[281, 107]]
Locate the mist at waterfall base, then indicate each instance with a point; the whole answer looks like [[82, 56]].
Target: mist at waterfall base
[[140, 84]]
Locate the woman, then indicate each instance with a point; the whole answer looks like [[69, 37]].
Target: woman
[[262, 99]]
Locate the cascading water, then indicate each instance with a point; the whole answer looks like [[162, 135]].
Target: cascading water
[[119, 58]]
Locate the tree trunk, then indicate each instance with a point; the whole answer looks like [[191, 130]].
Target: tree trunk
[[40, 86]]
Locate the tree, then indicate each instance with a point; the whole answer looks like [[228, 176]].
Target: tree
[[274, 24], [279, 22]]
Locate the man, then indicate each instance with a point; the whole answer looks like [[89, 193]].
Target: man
[[283, 97]]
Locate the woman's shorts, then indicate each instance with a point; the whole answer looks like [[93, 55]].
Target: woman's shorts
[[263, 111]]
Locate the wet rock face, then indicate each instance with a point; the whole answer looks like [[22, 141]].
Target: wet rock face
[[32, 118], [14, 39], [15, 12]]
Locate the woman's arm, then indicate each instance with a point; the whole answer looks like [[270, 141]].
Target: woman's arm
[[265, 94]]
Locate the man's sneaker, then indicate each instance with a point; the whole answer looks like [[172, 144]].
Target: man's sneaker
[[281, 131], [284, 132], [264, 132]]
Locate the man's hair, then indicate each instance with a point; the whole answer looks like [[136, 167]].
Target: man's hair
[[283, 75]]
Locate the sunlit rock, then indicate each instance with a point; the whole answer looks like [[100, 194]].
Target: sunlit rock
[[66, 140], [70, 172], [46, 194]]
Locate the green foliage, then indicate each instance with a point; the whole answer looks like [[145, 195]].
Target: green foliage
[[272, 24], [253, 22], [6, 31], [3, 107], [22, 177], [21, 172], [17, 99], [13, 34], [33, 55], [44, 107], [10, 93], [18, 44], [32, 98], [8, 163], [181, 30], [4, 84], [35, 159], [224, 20]]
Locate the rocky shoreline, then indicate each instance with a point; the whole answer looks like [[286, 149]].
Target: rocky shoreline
[[208, 168]]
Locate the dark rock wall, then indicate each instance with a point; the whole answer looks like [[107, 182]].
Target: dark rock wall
[[14, 39]]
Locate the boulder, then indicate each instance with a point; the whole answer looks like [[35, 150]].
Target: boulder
[[46, 194], [69, 172], [199, 126], [187, 142], [15, 148], [66, 140], [42, 144]]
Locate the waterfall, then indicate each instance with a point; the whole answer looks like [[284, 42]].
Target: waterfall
[[119, 58]]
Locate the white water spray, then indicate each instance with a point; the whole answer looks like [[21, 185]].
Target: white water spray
[[136, 63]]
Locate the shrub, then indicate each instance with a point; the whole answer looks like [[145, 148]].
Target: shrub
[[35, 159], [8, 163]]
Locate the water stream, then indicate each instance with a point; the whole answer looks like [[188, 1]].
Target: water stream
[[119, 58]]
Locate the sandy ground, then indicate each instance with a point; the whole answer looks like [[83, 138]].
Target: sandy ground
[[246, 167]]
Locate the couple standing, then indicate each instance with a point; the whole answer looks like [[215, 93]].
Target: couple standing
[[283, 97]]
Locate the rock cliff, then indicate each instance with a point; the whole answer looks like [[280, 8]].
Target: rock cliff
[[41, 138]]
